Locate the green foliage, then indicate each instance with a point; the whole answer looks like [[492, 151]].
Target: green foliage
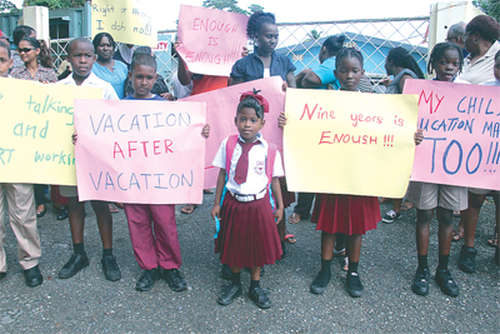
[[52, 4], [6, 5], [314, 34], [490, 7], [231, 6]]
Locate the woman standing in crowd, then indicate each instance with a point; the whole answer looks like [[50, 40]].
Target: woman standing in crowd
[[481, 41], [37, 65], [106, 68], [402, 66]]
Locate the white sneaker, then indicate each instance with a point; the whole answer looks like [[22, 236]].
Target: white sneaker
[[390, 216]]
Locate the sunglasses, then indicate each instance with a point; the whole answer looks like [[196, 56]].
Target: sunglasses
[[25, 50]]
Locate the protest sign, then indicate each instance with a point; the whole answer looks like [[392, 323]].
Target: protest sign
[[36, 129], [348, 142], [221, 110], [137, 151], [461, 126], [128, 21], [211, 40]]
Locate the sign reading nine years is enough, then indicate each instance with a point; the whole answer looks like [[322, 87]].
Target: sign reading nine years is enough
[[348, 142], [36, 129], [461, 126], [137, 151]]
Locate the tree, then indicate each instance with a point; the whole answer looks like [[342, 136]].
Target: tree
[[6, 5], [231, 6], [490, 7], [314, 34], [55, 3]]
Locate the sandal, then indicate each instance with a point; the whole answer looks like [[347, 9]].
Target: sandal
[[493, 242], [457, 235], [189, 209], [294, 218], [41, 210], [290, 238]]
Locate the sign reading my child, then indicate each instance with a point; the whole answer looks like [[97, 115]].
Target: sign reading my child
[[348, 142], [129, 21], [212, 40], [149, 152], [461, 126], [221, 111], [36, 129]]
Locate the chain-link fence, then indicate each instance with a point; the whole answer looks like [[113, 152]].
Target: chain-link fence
[[302, 42]]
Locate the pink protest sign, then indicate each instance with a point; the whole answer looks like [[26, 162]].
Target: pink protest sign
[[135, 151], [461, 126], [221, 110], [211, 40]]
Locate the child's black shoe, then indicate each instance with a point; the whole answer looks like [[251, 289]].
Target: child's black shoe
[[259, 297], [446, 283], [467, 259], [353, 284], [175, 280], [318, 286], [229, 293], [421, 281], [147, 280]]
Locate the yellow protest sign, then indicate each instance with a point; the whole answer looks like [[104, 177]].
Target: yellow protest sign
[[36, 129], [128, 21], [348, 142]]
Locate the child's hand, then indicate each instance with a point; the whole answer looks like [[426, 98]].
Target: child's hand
[[167, 96], [385, 81], [74, 138], [278, 215], [282, 120], [205, 132], [119, 205], [215, 211], [284, 86], [419, 136]]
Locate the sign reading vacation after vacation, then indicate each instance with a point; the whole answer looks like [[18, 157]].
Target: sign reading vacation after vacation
[[211, 40], [129, 21], [221, 110], [36, 129], [348, 142], [148, 152], [461, 126]]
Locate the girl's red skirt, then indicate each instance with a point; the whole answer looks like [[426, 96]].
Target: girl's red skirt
[[248, 236], [347, 214]]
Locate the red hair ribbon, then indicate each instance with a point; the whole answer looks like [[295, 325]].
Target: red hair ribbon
[[255, 94]]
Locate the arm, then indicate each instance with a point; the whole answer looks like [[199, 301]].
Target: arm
[[311, 80], [233, 81], [290, 80], [402, 81], [275, 186], [183, 74], [221, 179], [300, 76]]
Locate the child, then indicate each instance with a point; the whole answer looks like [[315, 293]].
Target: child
[[248, 165], [158, 253], [81, 56], [21, 210], [264, 62], [446, 61], [402, 66], [346, 214]]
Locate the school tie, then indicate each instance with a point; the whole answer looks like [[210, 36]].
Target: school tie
[[240, 174]]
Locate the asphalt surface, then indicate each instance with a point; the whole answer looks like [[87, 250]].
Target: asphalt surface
[[87, 303]]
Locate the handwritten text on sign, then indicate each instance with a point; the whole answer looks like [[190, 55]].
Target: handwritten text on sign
[[461, 126], [212, 40], [36, 129], [348, 142], [140, 151], [221, 110], [129, 21]]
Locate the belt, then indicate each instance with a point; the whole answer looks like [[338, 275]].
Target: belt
[[249, 198]]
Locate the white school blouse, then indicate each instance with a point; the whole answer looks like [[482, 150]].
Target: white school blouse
[[256, 177]]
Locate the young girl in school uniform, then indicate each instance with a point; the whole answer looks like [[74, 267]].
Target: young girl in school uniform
[[446, 61], [248, 166], [346, 214]]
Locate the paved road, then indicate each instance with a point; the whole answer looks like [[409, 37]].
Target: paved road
[[87, 303]]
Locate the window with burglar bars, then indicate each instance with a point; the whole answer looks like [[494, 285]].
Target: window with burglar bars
[[302, 41]]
